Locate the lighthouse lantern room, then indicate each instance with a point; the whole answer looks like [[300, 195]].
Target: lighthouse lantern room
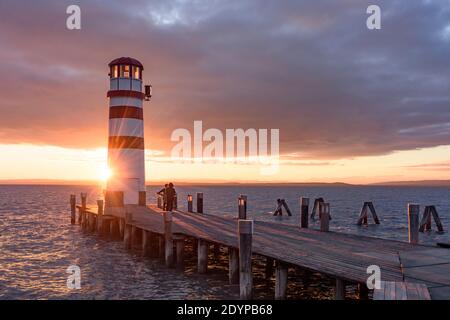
[[126, 158]]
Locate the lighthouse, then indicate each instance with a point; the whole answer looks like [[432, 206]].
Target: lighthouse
[[126, 158]]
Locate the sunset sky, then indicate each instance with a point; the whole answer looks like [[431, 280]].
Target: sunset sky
[[352, 105]]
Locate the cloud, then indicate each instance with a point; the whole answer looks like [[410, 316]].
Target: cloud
[[310, 68]]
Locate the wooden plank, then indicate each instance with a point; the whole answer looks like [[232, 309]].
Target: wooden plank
[[423, 292], [436, 275], [400, 291], [389, 291], [411, 291], [378, 294], [440, 293]]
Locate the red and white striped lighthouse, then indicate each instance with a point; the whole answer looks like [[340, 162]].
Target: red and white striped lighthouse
[[126, 158]]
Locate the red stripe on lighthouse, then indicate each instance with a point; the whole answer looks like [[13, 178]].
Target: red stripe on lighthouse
[[125, 142], [126, 112], [126, 93]]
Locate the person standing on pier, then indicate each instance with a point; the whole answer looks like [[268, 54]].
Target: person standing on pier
[[170, 196], [163, 193]]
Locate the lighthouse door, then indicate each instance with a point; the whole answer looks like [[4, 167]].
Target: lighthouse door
[[131, 194]]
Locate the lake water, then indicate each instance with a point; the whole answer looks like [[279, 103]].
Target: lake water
[[37, 242]]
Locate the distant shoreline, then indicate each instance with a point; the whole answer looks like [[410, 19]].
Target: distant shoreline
[[421, 183]]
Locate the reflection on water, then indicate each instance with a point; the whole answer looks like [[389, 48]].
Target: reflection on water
[[37, 242]]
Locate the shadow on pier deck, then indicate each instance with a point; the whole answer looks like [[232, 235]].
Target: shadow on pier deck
[[344, 257]]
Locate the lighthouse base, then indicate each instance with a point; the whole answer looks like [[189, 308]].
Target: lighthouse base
[[117, 199]]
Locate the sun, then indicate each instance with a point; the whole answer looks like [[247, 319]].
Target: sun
[[105, 173]]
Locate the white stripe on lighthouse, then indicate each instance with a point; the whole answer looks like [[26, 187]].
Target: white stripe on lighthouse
[[126, 127], [125, 101], [126, 164]]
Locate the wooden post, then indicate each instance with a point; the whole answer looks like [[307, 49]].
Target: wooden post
[[180, 253], [233, 265], [91, 222], [127, 230], [168, 238], [281, 273], [362, 215], [304, 209], [245, 233], [324, 213], [242, 207], [121, 227], [374, 213], [202, 256], [269, 268], [428, 220], [190, 204], [436, 218], [99, 216], [413, 223], [199, 202], [161, 248], [81, 218], [317, 201], [114, 229], [154, 245], [363, 291], [340, 290], [73, 208], [146, 236], [216, 248]]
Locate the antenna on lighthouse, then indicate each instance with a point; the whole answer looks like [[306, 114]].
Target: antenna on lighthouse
[[148, 92]]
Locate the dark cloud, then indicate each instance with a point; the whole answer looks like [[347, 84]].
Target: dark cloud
[[310, 68]]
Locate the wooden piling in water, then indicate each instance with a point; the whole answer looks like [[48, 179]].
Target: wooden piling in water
[[316, 206], [190, 207], [413, 223], [114, 228], [100, 217], [281, 274], [73, 208], [363, 215], [134, 231], [324, 213], [179, 246], [216, 251], [121, 228], [425, 223], [437, 219], [91, 222], [202, 256], [199, 202], [233, 265], [161, 248], [146, 238], [363, 291], [82, 216], [340, 290], [268, 271], [168, 238], [245, 233], [127, 230], [304, 209]]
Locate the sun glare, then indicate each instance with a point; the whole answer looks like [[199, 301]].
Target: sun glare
[[105, 173]]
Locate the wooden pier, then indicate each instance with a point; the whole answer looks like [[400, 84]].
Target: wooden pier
[[344, 257]]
